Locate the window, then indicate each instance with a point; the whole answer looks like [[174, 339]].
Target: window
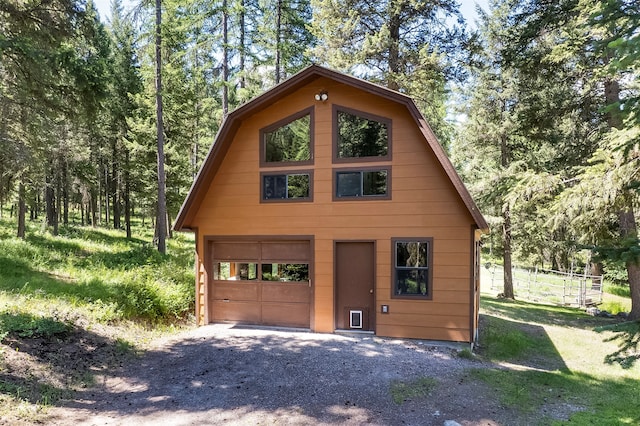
[[250, 261], [242, 271], [360, 136], [285, 272], [366, 183], [412, 274], [294, 186], [288, 141], [235, 271]]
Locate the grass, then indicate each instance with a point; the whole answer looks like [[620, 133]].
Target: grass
[[94, 285], [557, 365], [98, 272], [545, 287], [79, 302], [617, 289], [26, 325], [415, 389]]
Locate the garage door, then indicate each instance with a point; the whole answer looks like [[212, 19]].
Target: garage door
[[261, 282]]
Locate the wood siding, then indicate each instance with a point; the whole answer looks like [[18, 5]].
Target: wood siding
[[424, 203]]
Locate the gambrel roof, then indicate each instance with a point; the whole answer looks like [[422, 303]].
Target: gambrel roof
[[234, 120]]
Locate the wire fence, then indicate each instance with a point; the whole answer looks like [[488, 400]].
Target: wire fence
[[548, 286]]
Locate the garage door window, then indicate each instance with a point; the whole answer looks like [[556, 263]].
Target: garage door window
[[235, 271], [274, 272], [285, 272]]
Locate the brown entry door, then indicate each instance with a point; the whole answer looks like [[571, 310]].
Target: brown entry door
[[355, 284]]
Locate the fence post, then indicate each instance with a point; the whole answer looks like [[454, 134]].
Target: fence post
[[494, 271]]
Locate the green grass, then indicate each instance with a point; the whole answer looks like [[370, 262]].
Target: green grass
[[99, 272], [79, 302], [27, 325], [549, 288], [415, 389], [614, 307], [617, 289], [559, 359]]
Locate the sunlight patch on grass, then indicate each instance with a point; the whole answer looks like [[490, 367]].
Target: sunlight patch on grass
[[588, 385]]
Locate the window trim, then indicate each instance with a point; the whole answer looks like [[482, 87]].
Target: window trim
[[335, 172], [289, 119], [368, 116], [429, 241], [287, 173]]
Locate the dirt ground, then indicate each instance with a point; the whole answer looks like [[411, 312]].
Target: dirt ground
[[224, 374]]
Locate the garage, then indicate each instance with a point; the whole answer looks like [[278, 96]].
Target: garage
[[262, 282]]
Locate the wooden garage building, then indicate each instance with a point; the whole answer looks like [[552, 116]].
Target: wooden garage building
[[328, 204]]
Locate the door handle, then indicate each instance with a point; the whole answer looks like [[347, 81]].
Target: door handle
[[371, 291]]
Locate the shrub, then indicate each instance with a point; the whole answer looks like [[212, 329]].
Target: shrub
[[25, 325]]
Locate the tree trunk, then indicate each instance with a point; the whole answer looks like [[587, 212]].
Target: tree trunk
[[629, 230], [94, 207], [597, 268], [1, 197], [508, 265], [107, 185], [626, 217], [243, 53], [278, 40], [21, 211], [58, 194], [505, 160], [161, 222], [127, 195], [225, 59], [394, 51], [50, 204], [114, 184], [65, 192]]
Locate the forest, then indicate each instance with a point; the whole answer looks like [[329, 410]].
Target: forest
[[537, 106]]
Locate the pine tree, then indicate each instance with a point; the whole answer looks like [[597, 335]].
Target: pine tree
[[607, 31], [404, 45]]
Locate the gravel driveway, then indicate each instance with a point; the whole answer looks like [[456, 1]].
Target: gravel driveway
[[224, 374]]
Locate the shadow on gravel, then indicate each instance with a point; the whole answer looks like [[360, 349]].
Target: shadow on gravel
[[243, 376]]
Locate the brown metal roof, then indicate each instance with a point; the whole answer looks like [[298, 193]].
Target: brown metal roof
[[230, 125]]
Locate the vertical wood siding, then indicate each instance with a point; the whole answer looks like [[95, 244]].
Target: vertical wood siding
[[424, 203]]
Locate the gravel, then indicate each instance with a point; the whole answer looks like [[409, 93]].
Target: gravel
[[233, 375]]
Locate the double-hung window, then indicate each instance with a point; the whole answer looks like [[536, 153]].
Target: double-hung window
[[412, 267]]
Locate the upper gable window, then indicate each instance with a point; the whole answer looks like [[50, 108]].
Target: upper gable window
[[360, 136], [289, 141]]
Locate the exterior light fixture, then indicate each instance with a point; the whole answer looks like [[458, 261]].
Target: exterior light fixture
[[322, 96]]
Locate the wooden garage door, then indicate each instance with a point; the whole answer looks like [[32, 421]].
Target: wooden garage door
[[261, 282]]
